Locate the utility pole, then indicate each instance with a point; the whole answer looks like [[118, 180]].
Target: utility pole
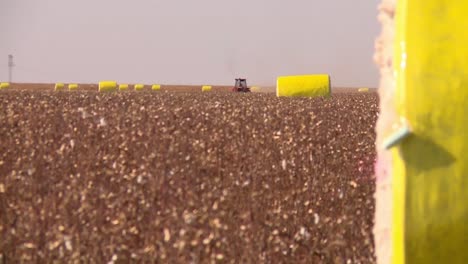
[[11, 64]]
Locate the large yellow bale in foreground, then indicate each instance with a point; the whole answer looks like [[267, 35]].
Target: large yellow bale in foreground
[[107, 86], [206, 88], [303, 85], [429, 165], [139, 87], [156, 87], [4, 85], [73, 87], [59, 86]]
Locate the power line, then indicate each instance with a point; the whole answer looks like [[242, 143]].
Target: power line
[[11, 64]]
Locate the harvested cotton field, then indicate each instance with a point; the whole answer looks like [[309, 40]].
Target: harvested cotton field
[[186, 177]]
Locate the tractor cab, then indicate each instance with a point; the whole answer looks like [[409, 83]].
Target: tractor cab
[[241, 86]]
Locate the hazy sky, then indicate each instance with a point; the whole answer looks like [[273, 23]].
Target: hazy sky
[[188, 41]]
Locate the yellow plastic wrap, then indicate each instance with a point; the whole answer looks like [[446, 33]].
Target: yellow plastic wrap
[[255, 89], [4, 86], [107, 86], [303, 85], [139, 87], [363, 90], [430, 166], [156, 87], [206, 88], [59, 86], [73, 87], [123, 87]]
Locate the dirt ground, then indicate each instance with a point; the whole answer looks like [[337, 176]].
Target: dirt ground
[[166, 177]]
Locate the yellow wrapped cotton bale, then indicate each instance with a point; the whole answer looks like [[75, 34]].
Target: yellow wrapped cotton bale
[[206, 88], [363, 90], [123, 87], [303, 86], [139, 87], [429, 163], [255, 89], [73, 87], [107, 86], [4, 86], [59, 86], [156, 87]]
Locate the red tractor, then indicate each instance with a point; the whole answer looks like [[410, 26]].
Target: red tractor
[[241, 86]]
